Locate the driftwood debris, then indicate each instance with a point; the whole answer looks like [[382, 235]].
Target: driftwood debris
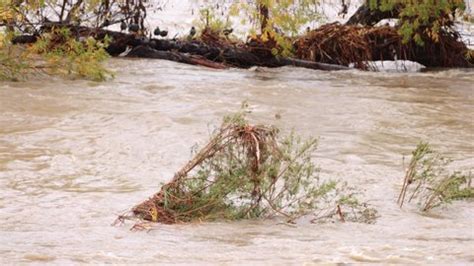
[[143, 51], [330, 47], [360, 45], [210, 51], [385, 43]]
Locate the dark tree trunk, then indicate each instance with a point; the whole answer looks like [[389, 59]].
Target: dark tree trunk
[[143, 51], [369, 17], [264, 15]]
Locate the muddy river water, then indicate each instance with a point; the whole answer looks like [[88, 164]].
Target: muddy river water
[[74, 154]]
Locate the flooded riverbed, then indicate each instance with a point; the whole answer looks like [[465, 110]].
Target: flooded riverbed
[[74, 154]]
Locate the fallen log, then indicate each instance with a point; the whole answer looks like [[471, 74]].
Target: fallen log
[[229, 57], [144, 51], [196, 52], [311, 64]]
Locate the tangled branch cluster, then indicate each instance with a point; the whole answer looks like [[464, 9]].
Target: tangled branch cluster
[[247, 171]]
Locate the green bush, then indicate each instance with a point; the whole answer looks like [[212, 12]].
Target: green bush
[[250, 171], [429, 182], [421, 20]]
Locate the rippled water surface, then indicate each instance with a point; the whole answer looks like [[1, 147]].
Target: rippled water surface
[[74, 154]]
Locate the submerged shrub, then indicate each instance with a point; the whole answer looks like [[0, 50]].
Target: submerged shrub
[[248, 171], [430, 183]]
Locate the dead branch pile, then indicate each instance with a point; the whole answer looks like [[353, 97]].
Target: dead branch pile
[[447, 51], [187, 197], [335, 43], [347, 44], [246, 171]]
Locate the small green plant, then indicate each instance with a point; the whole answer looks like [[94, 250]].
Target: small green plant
[[249, 171], [428, 181]]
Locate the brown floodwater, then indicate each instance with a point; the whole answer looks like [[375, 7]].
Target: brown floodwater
[[74, 154]]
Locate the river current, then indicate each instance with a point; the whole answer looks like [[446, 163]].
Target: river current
[[74, 154]]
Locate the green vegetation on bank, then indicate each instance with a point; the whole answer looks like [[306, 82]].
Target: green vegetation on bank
[[70, 57], [58, 51], [421, 20], [55, 53]]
